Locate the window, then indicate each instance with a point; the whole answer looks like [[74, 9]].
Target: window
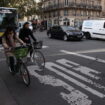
[[65, 12], [66, 2]]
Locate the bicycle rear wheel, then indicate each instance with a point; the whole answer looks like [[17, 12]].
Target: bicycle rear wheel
[[38, 59], [25, 74]]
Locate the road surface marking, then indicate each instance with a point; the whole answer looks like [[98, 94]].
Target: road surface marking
[[1, 48], [82, 69], [74, 97], [51, 66], [84, 56], [2, 59], [77, 67], [44, 46], [91, 51]]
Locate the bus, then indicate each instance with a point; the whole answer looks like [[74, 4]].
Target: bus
[[8, 17]]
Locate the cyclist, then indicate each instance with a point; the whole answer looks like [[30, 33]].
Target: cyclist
[[25, 33], [9, 41]]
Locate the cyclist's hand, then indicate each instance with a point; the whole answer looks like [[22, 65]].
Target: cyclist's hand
[[24, 44], [9, 49]]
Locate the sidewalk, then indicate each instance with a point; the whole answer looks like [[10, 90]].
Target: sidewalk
[[5, 96]]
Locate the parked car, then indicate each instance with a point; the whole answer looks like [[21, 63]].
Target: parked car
[[65, 33]]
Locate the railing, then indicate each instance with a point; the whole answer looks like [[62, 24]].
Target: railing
[[72, 5]]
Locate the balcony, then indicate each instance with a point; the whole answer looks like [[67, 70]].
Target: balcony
[[72, 5]]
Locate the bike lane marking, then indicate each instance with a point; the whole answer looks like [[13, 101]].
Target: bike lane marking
[[51, 67], [77, 67], [90, 73], [74, 97]]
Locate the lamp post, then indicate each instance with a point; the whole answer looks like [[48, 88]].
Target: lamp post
[[58, 12]]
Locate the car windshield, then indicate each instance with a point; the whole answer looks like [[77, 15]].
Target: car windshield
[[68, 28]]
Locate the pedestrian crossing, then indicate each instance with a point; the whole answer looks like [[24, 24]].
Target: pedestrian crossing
[[72, 73]]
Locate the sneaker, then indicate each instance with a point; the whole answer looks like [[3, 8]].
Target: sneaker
[[11, 71]]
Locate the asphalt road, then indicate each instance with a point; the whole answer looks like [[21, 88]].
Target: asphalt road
[[74, 75]]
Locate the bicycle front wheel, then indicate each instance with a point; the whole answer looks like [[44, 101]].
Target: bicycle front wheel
[[38, 59], [25, 74]]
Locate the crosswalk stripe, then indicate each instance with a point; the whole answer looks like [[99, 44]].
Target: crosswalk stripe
[[74, 97], [50, 65], [77, 67], [83, 56]]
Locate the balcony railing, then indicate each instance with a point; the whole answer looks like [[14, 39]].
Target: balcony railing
[[72, 5]]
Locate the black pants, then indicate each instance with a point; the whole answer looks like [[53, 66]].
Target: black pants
[[12, 63], [30, 50]]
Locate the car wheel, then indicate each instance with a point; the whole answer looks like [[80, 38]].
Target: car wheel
[[65, 38], [49, 35], [88, 36]]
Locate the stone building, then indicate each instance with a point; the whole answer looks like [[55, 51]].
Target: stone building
[[71, 12]]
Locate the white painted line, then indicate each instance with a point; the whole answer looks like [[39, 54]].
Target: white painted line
[[3, 59], [87, 71], [84, 56], [74, 97], [77, 67], [1, 48], [44, 46], [91, 51], [50, 66]]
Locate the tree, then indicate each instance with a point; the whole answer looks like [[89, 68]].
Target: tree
[[25, 7]]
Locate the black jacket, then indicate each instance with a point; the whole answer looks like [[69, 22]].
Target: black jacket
[[25, 34]]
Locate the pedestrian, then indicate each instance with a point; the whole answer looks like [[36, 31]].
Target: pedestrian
[[34, 25]]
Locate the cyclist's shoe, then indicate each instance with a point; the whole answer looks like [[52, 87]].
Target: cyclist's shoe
[[11, 71]]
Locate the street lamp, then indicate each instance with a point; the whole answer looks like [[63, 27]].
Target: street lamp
[[58, 12]]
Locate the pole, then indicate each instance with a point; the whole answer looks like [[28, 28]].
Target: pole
[[58, 12]]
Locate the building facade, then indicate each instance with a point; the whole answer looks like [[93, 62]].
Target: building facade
[[71, 12]]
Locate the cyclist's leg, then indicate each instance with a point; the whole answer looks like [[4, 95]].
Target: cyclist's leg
[[11, 60], [11, 63]]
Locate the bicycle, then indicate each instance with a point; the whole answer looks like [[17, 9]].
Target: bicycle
[[20, 67], [37, 56]]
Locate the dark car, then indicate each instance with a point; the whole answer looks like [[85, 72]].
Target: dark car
[[65, 33]]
